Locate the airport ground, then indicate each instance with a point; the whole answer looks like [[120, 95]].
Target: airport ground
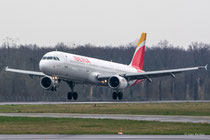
[[62, 125], [104, 137], [184, 108], [44, 125]]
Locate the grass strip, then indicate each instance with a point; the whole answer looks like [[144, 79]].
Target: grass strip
[[31, 125], [188, 108]]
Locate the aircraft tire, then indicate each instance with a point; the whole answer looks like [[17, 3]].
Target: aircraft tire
[[75, 95], [120, 95], [53, 88], [69, 95], [114, 95]]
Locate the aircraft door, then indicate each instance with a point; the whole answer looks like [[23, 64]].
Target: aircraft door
[[66, 66]]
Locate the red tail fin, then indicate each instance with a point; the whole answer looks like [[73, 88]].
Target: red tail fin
[[138, 57]]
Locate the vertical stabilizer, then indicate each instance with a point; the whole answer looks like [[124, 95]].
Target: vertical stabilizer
[[138, 57]]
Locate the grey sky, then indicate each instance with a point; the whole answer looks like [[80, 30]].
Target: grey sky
[[105, 22]]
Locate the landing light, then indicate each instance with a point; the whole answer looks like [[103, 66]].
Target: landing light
[[55, 78], [104, 81]]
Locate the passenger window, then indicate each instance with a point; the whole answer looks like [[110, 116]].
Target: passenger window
[[44, 58]]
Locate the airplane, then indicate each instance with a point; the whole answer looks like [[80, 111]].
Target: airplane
[[57, 66]]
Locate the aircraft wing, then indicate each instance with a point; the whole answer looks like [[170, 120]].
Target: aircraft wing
[[152, 74], [30, 73]]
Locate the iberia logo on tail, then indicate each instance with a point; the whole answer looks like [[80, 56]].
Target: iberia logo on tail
[[138, 57]]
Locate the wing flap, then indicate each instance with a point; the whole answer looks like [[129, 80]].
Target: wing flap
[[160, 73]]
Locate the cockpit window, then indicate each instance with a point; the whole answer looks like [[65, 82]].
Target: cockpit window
[[57, 58], [51, 58]]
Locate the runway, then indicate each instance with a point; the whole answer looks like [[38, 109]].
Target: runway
[[102, 102], [105, 137], [161, 118]]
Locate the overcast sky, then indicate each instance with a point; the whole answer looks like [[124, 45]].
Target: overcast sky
[[104, 22]]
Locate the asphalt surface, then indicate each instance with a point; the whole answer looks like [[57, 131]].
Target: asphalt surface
[[102, 102], [105, 137], [161, 118]]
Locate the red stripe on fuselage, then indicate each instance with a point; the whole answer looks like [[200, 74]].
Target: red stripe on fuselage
[[138, 81]]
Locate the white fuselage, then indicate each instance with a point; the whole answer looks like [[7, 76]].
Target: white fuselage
[[81, 69]]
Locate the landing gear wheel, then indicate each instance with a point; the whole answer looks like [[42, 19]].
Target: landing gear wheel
[[69, 95], [72, 94], [120, 95], [54, 88], [114, 95], [75, 95]]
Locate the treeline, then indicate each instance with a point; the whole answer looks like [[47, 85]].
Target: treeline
[[186, 86]]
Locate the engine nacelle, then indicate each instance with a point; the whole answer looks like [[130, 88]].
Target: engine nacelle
[[48, 83], [117, 82]]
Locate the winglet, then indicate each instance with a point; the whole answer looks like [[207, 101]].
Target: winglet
[[203, 67], [6, 68], [206, 67]]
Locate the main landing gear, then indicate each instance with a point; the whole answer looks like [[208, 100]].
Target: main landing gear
[[118, 95], [54, 88], [72, 94]]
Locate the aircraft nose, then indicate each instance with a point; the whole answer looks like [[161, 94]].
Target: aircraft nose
[[42, 66], [45, 67]]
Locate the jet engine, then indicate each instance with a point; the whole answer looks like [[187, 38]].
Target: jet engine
[[49, 83], [117, 82]]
